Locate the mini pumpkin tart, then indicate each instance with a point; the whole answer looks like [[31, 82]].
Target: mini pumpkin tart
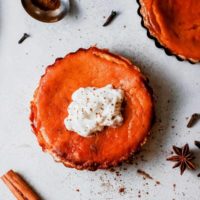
[[110, 146], [175, 24]]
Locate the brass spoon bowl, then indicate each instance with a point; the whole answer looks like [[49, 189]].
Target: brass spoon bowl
[[45, 15]]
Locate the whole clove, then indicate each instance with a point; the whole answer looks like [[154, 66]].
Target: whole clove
[[24, 37], [110, 18], [197, 143], [193, 120]]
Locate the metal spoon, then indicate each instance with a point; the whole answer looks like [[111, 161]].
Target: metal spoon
[[45, 15]]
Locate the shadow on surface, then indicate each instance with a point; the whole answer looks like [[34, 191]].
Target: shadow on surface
[[73, 8]]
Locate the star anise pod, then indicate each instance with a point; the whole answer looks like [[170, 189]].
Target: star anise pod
[[183, 158]]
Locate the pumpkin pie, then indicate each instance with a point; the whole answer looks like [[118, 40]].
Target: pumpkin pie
[[97, 68], [175, 24]]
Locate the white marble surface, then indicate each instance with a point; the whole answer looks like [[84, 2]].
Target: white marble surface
[[21, 67]]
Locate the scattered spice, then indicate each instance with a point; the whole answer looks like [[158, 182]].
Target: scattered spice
[[118, 173], [197, 143], [110, 18], [112, 170], [24, 37], [157, 182], [139, 194], [174, 186], [183, 158], [193, 120], [144, 174], [77, 190], [122, 190]]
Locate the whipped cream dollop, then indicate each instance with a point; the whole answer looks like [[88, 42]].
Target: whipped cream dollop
[[94, 108]]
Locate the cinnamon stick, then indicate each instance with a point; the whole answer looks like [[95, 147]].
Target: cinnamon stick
[[110, 18], [20, 189]]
